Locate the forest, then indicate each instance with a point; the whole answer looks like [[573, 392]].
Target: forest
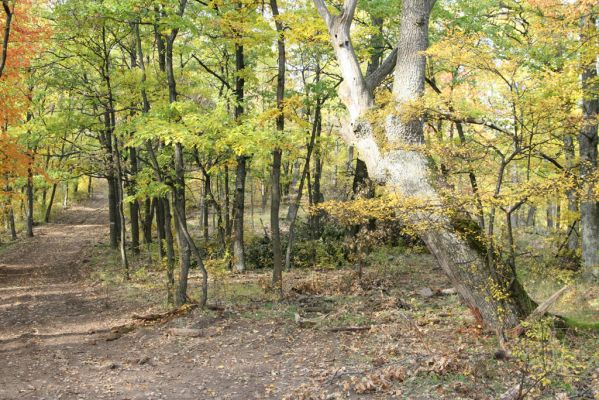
[[299, 199]]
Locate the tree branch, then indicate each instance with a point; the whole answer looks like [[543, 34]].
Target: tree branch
[[378, 75], [322, 9], [211, 72], [349, 9], [7, 25]]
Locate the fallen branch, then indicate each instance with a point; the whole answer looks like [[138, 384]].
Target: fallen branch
[[165, 315], [148, 317], [348, 329], [539, 312], [305, 322]]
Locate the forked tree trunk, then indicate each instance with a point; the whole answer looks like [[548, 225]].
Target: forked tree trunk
[[492, 293]]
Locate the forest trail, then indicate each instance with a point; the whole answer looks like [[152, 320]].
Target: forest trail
[[47, 301], [42, 289], [56, 340]]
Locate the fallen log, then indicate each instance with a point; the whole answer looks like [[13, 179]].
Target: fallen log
[[186, 332]]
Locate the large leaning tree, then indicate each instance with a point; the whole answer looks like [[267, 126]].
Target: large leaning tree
[[488, 287]]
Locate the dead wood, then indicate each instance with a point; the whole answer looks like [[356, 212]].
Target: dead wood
[[186, 332], [539, 312], [348, 329]]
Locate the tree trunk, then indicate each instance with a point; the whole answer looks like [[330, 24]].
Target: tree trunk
[[238, 215], [160, 232], [530, 217], [178, 188], [206, 208], [29, 202], [134, 205], [227, 212], [181, 225], [572, 196], [294, 206], [587, 142], [317, 196], [148, 214], [121, 208], [11, 223], [113, 212], [362, 188], [240, 172], [50, 203], [275, 201], [65, 195]]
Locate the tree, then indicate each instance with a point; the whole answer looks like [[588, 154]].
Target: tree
[[277, 275], [491, 290], [587, 142]]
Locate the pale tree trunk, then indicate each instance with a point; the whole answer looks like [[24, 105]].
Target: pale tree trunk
[[406, 171], [587, 142]]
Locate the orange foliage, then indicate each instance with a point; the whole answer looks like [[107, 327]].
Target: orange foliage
[[26, 39], [14, 162], [25, 42]]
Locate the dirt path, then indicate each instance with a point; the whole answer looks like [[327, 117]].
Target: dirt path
[[48, 303]]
